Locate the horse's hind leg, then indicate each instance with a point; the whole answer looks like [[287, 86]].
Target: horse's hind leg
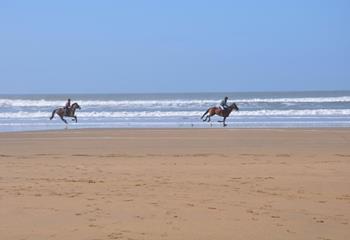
[[205, 119], [205, 114], [64, 120], [53, 114]]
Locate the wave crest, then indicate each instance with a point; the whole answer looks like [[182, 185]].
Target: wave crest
[[159, 114], [164, 103]]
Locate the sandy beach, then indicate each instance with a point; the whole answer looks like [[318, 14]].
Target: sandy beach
[[175, 184]]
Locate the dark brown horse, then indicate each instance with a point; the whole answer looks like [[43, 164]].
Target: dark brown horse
[[218, 111], [62, 113]]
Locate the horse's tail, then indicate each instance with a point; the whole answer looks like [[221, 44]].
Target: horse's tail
[[53, 114], [205, 113]]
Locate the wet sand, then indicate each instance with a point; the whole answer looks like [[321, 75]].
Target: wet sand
[[175, 184]]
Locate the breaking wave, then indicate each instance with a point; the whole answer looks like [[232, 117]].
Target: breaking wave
[[165, 103], [159, 114]]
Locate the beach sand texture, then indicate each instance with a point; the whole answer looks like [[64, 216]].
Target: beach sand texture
[[175, 184]]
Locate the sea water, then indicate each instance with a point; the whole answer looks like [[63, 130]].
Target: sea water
[[178, 110]]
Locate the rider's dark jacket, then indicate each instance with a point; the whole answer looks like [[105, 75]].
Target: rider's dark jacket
[[67, 107], [223, 103]]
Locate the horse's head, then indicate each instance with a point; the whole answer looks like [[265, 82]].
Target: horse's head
[[76, 106], [233, 106]]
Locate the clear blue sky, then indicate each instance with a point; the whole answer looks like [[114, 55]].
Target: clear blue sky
[[173, 46]]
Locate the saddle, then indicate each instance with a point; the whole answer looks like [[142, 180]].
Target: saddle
[[222, 108], [66, 111]]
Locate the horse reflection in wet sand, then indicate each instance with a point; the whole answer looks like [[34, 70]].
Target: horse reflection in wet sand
[[62, 113], [220, 112]]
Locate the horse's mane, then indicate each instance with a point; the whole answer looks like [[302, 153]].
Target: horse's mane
[[74, 104]]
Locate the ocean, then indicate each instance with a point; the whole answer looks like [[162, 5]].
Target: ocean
[[321, 109]]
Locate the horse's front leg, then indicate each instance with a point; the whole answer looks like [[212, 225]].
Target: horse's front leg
[[224, 122], [76, 119]]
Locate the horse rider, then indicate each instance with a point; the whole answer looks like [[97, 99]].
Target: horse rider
[[223, 104], [67, 107]]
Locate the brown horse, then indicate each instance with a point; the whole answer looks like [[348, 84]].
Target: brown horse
[[218, 111], [62, 113]]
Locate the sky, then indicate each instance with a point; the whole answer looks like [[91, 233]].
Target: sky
[[173, 46]]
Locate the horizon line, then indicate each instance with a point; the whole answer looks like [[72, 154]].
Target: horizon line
[[178, 92]]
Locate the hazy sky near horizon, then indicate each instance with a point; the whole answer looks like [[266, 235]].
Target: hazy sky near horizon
[[173, 46]]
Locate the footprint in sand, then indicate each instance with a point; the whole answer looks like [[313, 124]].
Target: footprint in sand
[[282, 155], [344, 197], [115, 235], [343, 155], [139, 217], [318, 220]]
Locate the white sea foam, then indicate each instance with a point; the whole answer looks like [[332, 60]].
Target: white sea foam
[[296, 100], [159, 114], [41, 114], [97, 103], [304, 112], [164, 103]]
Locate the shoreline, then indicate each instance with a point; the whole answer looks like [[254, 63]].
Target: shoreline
[[179, 128]]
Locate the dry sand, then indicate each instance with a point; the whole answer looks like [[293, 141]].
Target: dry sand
[[175, 184]]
